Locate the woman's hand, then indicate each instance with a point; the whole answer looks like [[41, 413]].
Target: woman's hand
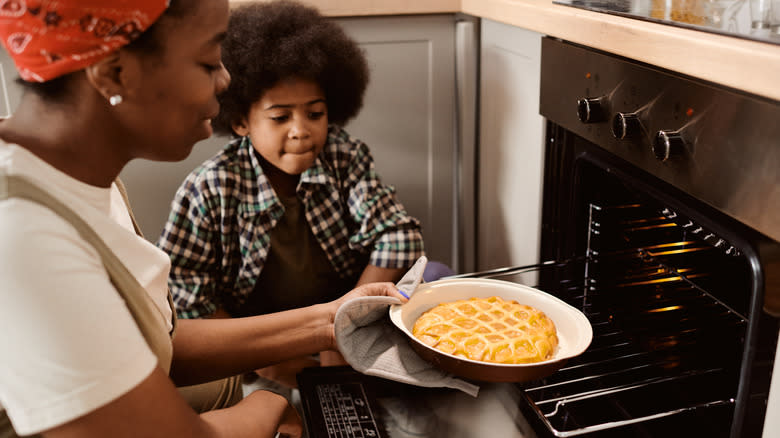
[[370, 289], [385, 289]]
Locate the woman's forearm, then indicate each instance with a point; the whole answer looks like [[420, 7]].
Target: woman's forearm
[[209, 349]]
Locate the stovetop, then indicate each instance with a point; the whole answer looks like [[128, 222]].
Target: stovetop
[[750, 19]]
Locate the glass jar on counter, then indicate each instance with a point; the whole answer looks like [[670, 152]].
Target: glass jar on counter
[[774, 18], [760, 12], [682, 11], [688, 11]]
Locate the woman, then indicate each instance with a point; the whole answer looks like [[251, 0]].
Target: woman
[[75, 363]]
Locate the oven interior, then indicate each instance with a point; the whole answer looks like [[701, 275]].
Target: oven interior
[[671, 290]]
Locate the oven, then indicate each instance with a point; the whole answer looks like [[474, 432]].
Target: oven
[[660, 221]]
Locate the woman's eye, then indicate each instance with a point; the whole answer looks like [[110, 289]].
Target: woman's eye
[[211, 68], [314, 115], [280, 118]]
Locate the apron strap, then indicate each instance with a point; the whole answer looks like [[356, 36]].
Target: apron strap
[[212, 395], [123, 191], [146, 314]]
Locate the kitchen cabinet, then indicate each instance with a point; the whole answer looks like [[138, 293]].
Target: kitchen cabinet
[[407, 120], [511, 149]]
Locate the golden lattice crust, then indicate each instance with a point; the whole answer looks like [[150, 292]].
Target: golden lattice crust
[[488, 330]]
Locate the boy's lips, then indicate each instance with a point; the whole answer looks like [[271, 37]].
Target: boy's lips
[[300, 150]]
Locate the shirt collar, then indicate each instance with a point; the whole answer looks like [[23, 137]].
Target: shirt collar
[[262, 197]]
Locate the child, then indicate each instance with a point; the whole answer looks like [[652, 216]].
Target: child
[[292, 212]]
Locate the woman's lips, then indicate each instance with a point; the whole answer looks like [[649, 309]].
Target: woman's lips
[[207, 125]]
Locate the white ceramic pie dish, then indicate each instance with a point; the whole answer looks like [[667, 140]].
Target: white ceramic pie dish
[[573, 328]]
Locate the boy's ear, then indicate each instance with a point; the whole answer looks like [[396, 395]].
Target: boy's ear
[[240, 128]]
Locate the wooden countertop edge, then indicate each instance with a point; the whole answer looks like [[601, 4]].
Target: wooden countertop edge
[[359, 8], [742, 64]]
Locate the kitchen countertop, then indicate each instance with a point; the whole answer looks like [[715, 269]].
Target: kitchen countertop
[[747, 65]]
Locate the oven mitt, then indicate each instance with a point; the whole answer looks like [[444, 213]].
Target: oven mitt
[[373, 345]]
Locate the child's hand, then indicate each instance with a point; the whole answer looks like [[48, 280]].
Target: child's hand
[[290, 425], [284, 372], [275, 408], [332, 359]]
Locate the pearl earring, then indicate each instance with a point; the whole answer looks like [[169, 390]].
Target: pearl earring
[[115, 100]]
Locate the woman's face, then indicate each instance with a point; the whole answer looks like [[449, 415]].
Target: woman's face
[[288, 125], [176, 94]]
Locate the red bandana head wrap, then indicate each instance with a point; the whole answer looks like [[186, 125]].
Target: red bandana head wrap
[[49, 38]]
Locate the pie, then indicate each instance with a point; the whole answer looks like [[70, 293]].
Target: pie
[[488, 330]]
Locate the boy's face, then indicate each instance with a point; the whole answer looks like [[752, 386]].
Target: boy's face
[[288, 125]]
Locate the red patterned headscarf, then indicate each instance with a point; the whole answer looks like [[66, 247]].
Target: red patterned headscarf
[[50, 38]]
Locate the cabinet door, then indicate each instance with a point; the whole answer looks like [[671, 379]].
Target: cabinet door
[[408, 117], [511, 147]]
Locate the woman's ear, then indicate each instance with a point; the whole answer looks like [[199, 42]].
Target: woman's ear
[[113, 75], [241, 128], [104, 75]]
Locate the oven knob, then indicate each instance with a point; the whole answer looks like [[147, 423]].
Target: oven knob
[[591, 110], [668, 144], [626, 125]]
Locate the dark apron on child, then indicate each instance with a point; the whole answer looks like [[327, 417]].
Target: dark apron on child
[[153, 326]]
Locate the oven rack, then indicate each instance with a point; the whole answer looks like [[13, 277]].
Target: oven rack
[[621, 367], [627, 364], [665, 348]]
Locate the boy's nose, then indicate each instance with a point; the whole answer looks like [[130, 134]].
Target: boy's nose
[[298, 131]]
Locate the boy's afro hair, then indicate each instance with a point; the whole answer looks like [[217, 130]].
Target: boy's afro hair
[[281, 39]]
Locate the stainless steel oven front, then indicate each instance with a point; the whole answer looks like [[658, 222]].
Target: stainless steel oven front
[[661, 221]]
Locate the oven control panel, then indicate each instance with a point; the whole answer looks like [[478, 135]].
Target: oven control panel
[[716, 144]]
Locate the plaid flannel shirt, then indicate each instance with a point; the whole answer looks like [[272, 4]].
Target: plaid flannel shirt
[[218, 231]]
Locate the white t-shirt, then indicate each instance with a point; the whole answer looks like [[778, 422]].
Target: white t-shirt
[[68, 344]]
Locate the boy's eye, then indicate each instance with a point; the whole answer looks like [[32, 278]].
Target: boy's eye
[[314, 115], [280, 118]]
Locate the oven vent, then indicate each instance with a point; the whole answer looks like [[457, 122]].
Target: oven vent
[[701, 233]]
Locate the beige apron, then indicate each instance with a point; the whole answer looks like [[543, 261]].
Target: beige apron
[[202, 398]]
